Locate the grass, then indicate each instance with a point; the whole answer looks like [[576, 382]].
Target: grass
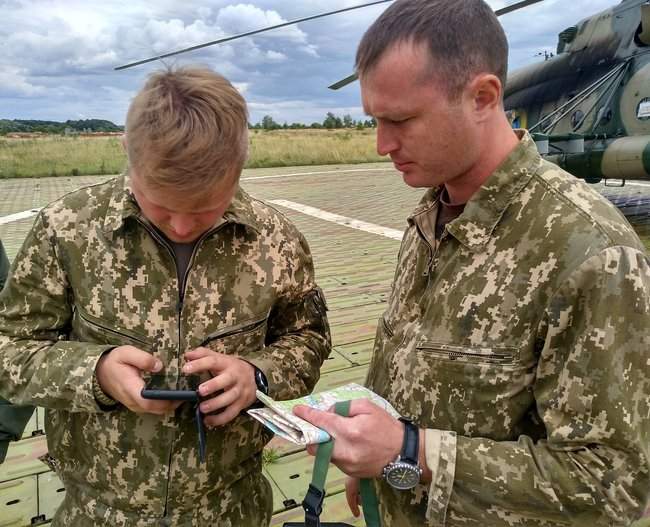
[[269, 456], [72, 156]]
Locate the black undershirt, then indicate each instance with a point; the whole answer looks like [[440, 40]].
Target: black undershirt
[[446, 213]]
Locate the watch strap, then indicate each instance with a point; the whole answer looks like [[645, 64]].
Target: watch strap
[[411, 445]]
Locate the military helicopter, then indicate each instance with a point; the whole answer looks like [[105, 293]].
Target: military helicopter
[[587, 105]]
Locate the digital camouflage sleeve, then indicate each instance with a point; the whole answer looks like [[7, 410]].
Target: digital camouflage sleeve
[[93, 274], [522, 345], [12, 418]]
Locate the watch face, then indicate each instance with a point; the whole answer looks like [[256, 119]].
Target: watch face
[[402, 476], [260, 381]]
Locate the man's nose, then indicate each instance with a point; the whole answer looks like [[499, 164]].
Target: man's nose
[[386, 140], [181, 225]]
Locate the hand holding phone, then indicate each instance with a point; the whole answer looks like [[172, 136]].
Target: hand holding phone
[[119, 373], [163, 388], [231, 389]]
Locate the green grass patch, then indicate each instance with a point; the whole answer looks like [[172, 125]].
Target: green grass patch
[[78, 156]]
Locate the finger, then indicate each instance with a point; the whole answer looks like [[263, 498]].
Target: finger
[[311, 449], [329, 422], [352, 495], [199, 353], [209, 363], [137, 358], [222, 381], [221, 401]]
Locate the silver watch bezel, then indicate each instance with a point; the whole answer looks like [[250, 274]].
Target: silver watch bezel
[[399, 464]]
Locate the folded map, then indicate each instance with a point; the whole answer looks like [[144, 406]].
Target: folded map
[[278, 415]]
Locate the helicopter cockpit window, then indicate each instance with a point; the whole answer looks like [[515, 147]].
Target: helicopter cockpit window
[[642, 35]]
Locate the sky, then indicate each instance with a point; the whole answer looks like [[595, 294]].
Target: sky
[[57, 56]]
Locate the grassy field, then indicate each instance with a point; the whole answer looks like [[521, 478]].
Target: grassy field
[[65, 156]]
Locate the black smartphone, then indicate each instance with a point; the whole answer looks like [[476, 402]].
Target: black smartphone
[[166, 388]]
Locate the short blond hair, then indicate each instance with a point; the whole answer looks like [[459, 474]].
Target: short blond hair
[[187, 129]]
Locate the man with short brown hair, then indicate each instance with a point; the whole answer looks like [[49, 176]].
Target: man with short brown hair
[[170, 269], [515, 341]]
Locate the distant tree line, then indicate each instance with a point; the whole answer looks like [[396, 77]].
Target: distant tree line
[[54, 127], [8, 126], [330, 122]]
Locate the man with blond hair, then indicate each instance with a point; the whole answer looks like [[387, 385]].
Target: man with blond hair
[[169, 269], [515, 342]]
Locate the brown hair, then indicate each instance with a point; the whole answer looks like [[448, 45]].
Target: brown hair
[[187, 128], [464, 38]]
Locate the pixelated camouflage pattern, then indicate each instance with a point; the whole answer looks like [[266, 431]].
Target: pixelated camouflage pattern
[[524, 340], [13, 419], [93, 274]]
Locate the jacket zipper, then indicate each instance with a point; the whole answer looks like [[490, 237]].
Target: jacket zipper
[[232, 330], [129, 336], [496, 358], [179, 309]]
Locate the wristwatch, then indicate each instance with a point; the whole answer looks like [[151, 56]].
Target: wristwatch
[[260, 381], [404, 473]]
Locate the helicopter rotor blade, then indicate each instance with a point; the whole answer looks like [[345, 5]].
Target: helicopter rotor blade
[[248, 34], [508, 9], [344, 82], [515, 7]]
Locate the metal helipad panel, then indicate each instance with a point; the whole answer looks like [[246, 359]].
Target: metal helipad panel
[[18, 502], [335, 509], [50, 494], [335, 362], [22, 458], [357, 352], [332, 380], [293, 475]]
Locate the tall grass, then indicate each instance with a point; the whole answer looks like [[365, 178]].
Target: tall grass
[[311, 147], [65, 156]]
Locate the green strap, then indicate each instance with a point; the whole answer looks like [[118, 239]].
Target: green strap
[[369, 501]]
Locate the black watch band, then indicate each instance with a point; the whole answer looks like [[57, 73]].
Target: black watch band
[[411, 444], [260, 381]]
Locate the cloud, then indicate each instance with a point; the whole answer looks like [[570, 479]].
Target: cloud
[[242, 18], [275, 56], [57, 56], [14, 83]]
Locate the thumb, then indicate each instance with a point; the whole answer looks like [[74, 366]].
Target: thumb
[[326, 420], [139, 359]]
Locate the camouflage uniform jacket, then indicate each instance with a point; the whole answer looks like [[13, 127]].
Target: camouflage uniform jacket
[[93, 274], [522, 345]]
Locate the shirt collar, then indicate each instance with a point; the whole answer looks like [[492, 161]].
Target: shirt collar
[[474, 227], [122, 205]]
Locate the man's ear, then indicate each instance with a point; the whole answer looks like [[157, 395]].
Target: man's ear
[[485, 92]]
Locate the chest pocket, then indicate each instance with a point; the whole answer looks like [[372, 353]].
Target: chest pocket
[[242, 339], [474, 391], [89, 328], [464, 355]]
